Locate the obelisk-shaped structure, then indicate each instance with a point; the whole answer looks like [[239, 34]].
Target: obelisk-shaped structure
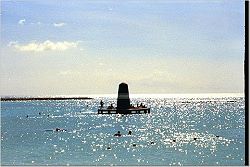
[[123, 101]]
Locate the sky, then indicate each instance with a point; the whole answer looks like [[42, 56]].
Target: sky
[[51, 47]]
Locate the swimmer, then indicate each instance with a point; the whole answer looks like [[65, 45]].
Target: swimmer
[[48, 130], [60, 130], [27, 116], [129, 132], [118, 134], [39, 113]]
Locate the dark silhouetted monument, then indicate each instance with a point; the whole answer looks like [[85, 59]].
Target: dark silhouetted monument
[[123, 104], [123, 101]]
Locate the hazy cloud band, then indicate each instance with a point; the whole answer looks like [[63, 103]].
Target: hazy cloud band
[[44, 46]]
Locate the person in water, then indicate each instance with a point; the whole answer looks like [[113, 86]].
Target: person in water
[[118, 134], [60, 130], [129, 132]]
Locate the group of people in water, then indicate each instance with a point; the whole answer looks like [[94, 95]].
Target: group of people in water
[[27, 116], [118, 134], [56, 129]]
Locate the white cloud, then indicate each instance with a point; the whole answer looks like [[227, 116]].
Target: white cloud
[[59, 24], [12, 43], [44, 46], [22, 21]]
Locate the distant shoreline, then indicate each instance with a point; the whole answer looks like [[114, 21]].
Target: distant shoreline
[[43, 98]]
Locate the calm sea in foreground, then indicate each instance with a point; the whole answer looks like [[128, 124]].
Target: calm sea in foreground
[[166, 136]]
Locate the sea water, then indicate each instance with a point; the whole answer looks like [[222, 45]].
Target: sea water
[[178, 131]]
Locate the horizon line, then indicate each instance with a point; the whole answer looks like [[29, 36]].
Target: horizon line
[[137, 95]]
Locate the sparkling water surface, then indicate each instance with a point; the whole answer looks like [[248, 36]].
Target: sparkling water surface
[[178, 131]]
